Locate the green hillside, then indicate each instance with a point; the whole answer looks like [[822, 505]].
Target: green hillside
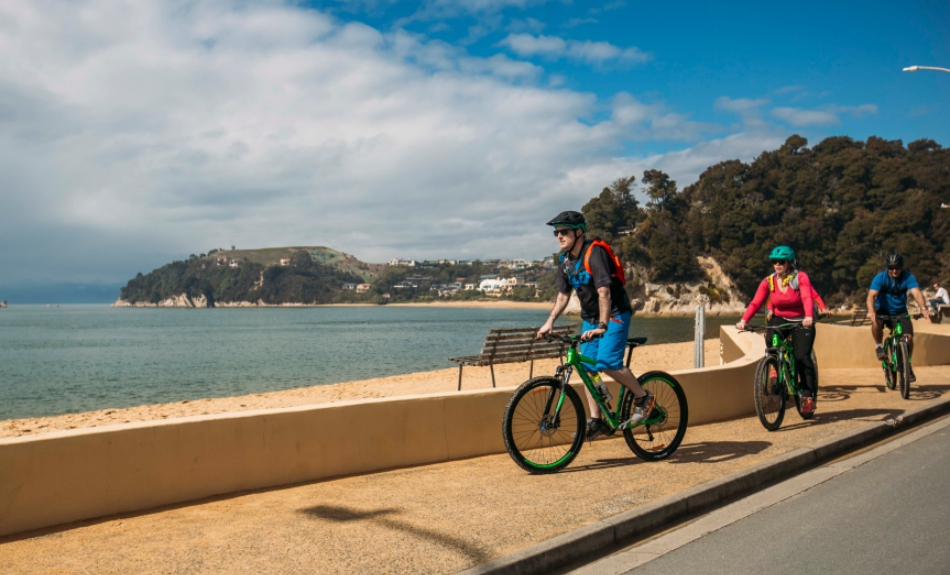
[[340, 261], [312, 275], [842, 205]]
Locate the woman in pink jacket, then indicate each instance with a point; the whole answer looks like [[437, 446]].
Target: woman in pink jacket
[[790, 294]]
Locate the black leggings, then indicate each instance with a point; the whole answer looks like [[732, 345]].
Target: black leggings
[[803, 340]]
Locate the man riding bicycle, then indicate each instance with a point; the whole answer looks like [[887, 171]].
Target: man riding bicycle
[[590, 269], [888, 296]]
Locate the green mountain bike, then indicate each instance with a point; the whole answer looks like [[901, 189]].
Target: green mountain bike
[[544, 425], [776, 379], [896, 362]]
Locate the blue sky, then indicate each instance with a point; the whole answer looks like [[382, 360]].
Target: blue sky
[[137, 132], [827, 58]]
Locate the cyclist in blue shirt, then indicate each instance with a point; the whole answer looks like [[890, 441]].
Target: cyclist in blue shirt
[[888, 296]]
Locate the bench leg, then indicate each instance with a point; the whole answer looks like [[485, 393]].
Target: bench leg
[[460, 377], [491, 366], [531, 370]]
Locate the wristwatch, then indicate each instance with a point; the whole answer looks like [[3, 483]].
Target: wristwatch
[[601, 325]]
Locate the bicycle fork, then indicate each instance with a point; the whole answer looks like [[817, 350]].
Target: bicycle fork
[[552, 420]]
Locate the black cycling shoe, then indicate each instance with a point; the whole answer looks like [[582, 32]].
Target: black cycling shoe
[[595, 428]]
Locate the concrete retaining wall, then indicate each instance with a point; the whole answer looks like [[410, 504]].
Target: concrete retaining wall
[[80, 474]]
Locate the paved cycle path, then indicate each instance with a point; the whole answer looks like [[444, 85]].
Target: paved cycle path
[[447, 517]]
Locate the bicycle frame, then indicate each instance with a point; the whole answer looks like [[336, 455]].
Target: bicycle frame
[[573, 359], [782, 348]]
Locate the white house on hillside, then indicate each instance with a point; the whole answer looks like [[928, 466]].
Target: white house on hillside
[[401, 262]]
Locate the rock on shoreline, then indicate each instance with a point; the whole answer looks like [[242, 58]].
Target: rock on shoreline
[[184, 301], [181, 301]]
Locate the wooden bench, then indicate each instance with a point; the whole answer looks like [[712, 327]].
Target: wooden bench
[[514, 346]]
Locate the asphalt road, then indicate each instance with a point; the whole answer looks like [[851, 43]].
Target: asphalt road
[[886, 510]]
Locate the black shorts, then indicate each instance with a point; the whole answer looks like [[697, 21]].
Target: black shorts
[[907, 326]]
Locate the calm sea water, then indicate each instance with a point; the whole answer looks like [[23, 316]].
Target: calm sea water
[[79, 358]]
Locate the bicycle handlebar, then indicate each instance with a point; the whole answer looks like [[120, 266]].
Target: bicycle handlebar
[[901, 316], [792, 324], [568, 339]]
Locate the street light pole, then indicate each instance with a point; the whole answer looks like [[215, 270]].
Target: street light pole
[[915, 68]]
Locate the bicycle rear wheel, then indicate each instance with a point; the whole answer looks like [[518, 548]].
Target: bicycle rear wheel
[[769, 393], [536, 439], [665, 426], [903, 369]]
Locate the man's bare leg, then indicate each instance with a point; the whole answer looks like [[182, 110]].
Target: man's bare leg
[[625, 377], [877, 331]]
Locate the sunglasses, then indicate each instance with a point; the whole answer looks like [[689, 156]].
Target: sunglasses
[[779, 262], [562, 232], [893, 268]]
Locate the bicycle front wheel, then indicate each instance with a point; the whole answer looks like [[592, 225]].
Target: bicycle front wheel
[[890, 372], [769, 393], [538, 437], [903, 369], [665, 426]]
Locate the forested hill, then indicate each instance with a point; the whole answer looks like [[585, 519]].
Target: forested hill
[[842, 204], [306, 275]]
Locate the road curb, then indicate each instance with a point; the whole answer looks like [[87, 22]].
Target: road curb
[[555, 553]]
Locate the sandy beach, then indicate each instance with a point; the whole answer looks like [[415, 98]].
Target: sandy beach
[[667, 357]]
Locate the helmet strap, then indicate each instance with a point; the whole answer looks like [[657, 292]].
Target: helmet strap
[[574, 245]]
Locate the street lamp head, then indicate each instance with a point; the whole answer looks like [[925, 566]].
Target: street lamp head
[[911, 68]]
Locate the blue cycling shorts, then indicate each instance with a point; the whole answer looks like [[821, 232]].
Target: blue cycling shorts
[[608, 349]]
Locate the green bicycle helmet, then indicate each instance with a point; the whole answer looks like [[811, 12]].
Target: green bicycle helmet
[[573, 219], [782, 253]]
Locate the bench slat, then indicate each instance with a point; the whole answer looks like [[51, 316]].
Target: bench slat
[[515, 357], [565, 330], [512, 357], [524, 346]]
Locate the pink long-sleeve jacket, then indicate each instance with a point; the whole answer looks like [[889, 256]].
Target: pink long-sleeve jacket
[[791, 304]]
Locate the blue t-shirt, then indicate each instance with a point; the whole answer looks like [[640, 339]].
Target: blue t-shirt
[[892, 293]]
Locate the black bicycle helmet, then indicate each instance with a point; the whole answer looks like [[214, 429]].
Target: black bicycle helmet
[[570, 218], [894, 260]]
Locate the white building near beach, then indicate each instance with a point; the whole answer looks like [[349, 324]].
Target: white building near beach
[[492, 285]]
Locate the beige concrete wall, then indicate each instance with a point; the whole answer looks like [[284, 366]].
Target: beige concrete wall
[[66, 476], [839, 346]]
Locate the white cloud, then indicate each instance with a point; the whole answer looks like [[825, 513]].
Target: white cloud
[[824, 116], [195, 125], [739, 105], [747, 109], [684, 166], [527, 45], [799, 117], [530, 45], [636, 120]]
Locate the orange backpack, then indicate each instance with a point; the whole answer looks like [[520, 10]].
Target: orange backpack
[[618, 267]]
